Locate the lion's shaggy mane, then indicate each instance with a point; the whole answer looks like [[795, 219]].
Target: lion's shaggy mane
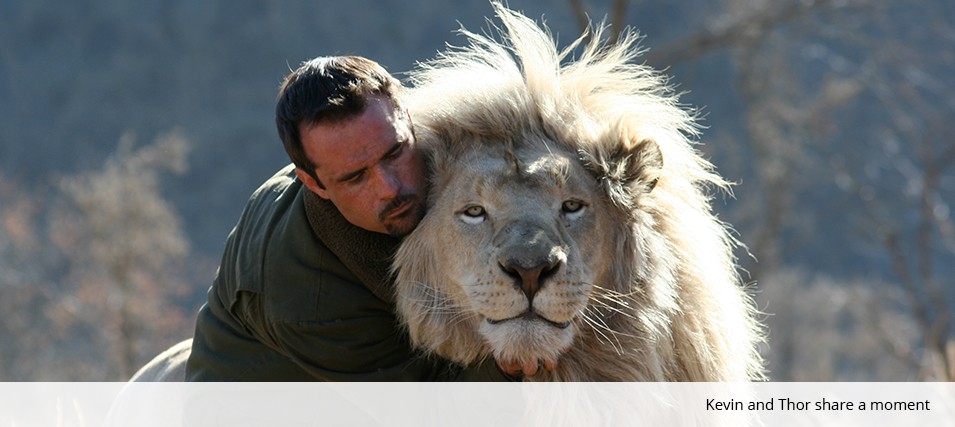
[[675, 309]]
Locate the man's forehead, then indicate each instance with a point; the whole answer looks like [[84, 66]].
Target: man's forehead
[[359, 147]]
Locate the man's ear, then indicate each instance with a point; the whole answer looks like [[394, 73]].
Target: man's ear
[[310, 183]]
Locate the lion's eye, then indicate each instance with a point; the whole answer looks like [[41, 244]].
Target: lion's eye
[[572, 209], [474, 214], [572, 206]]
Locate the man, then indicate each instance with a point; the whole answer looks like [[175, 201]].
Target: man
[[303, 290]]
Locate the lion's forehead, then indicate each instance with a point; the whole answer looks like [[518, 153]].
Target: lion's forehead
[[547, 165], [535, 168]]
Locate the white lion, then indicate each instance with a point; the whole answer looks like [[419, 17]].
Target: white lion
[[568, 219]]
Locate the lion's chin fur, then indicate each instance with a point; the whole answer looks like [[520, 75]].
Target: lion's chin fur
[[527, 341]]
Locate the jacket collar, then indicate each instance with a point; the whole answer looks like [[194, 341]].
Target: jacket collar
[[366, 254]]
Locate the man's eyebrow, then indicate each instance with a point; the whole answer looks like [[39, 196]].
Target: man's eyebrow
[[394, 148], [391, 151], [348, 176]]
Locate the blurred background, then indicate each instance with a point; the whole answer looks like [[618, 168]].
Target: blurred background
[[132, 133]]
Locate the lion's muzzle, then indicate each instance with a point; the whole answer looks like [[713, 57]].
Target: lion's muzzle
[[530, 256], [529, 278]]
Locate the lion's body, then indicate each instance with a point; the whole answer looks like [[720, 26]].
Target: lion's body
[[168, 366], [569, 219]]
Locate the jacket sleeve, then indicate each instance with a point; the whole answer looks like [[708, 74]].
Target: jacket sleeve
[[336, 329], [368, 348]]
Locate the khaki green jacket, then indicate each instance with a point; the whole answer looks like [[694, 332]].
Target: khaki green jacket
[[287, 305]]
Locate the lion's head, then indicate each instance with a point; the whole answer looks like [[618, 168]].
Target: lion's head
[[568, 219]]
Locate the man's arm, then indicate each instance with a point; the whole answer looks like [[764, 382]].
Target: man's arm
[[370, 348]]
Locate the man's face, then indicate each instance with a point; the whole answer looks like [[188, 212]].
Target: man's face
[[370, 168]]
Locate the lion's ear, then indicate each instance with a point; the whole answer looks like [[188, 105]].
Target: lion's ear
[[627, 170], [644, 164]]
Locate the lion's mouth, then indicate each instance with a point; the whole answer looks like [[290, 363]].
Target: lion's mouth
[[530, 315]]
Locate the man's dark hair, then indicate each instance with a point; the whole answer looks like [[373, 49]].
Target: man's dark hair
[[327, 89]]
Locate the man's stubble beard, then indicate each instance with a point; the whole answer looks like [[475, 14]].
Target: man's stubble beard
[[401, 226]]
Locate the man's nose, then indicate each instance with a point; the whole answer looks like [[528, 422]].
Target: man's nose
[[389, 184]]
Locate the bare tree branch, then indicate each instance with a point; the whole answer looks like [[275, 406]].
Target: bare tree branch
[[580, 13], [617, 23], [746, 28], [618, 18]]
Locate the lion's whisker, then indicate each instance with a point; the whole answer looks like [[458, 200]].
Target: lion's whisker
[[604, 300], [617, 294], [437, 303], [597, 326], [615, 310], [602, 318]]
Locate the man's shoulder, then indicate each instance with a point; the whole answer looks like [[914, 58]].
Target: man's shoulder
[[267, 223], [282, 183], [281, 259]]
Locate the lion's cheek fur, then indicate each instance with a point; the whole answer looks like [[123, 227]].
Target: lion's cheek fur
[[431, 303]]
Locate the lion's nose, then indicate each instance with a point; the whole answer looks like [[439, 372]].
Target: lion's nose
[[530, 276]]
